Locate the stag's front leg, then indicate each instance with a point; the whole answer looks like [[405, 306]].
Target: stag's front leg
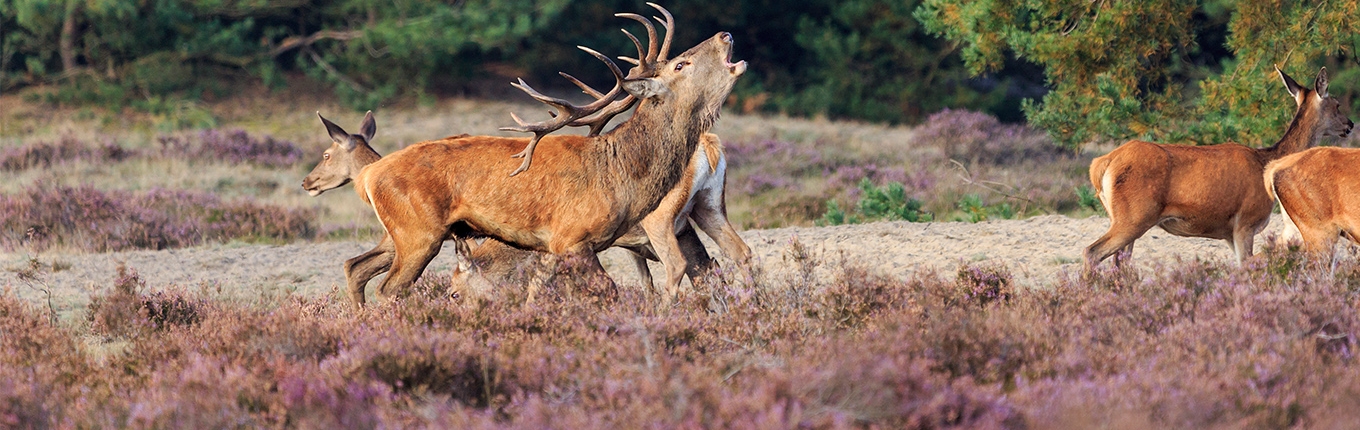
[[359, 270]]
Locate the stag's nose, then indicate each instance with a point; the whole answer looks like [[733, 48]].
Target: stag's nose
[[725, 37]]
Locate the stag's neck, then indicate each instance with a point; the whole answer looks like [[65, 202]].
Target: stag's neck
[[1303, 133], [648, 153]]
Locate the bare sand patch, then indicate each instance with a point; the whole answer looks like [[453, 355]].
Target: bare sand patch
[[1035, 250]]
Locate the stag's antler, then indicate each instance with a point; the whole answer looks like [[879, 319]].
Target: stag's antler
[[568, 111], [598, 113], [646, 68]]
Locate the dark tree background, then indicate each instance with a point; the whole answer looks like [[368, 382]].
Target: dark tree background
[[1195, 71], [866, 59]]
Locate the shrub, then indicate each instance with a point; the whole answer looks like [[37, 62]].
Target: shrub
[[980, 138], [67, 149], [125, 310], [231, 146], [984, 285], [94, 220], [887, 203]]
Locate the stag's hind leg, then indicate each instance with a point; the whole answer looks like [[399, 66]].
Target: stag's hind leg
[[362, 268]]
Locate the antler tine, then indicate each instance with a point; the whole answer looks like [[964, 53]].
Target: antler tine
[[569, 112], [598, 120], [582, 85], [670, 29], [651, 34], [637, 44]]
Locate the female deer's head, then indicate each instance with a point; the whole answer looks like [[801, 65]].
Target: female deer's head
[[348, 154]]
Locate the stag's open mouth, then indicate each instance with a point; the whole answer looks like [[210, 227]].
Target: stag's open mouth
[[736, 69]]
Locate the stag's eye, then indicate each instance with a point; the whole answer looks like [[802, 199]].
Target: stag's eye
[[326, 156], [681, 65]]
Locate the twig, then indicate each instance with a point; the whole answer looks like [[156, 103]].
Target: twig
[[967, 179], [291, 43], [335, 73]]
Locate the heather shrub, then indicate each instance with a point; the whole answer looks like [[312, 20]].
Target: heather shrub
[[422, 361], [231, 146], [978, 137], [982, 285], [46, 154], [125, 310], [85, 218], [1192, 344]]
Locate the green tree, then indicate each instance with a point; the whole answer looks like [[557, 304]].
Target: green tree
[[119, 51], [1147, 69]]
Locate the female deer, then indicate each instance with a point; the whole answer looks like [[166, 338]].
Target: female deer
[[1203, 191]]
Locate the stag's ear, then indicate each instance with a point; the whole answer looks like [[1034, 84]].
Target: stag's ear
[[338, 135], [1289, 83], [1320, 85], [368, 128], [645, 88]]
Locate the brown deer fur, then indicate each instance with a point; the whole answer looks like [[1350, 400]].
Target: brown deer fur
[[1319, 195], [582, 194], [699, 196], [1203, 191]]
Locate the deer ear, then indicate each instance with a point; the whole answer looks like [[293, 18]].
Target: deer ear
[[1320, 85], [1289, 83], [645, 88], [368, 127], [338, 135]]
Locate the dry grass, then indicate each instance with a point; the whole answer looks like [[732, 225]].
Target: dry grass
[[823, 161]]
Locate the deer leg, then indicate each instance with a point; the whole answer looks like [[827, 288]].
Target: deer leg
[[698, 262], [1318, 241], [644, 272], [594, 272], [661, 232], [1120, 236], [414, 251], [362, 268], [545, 270], [713, 221], [1243, 241]]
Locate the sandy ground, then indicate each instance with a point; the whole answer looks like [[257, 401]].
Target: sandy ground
[[1035, 250]]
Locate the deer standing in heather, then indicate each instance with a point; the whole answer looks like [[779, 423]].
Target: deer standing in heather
[[698, 197], [585, 192], [1203, 191], [1319, 195]]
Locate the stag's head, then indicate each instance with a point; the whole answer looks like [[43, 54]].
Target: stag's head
[[690, 87], [1317, 105], [695, 82], [347, 155]]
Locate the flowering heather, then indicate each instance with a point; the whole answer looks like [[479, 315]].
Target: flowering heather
[[231, 146], [1191, 345], [46, 154], [979, 137], [85, 218]]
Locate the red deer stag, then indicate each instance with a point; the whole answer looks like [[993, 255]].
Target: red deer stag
[[586, 192], [698, 196], [1203, 191]]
